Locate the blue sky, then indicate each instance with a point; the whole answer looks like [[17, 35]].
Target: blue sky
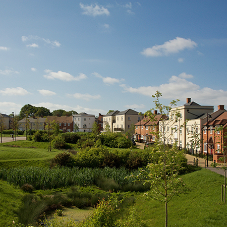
[[93, 56]]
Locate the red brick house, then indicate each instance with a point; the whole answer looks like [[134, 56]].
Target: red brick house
[[65, 122], [146, 130], [214, 135], [99, 121]]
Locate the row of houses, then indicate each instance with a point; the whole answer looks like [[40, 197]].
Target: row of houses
[[82, 122], [191, 126]]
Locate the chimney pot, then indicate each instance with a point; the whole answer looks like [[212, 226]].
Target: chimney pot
[[155, 111], [188, 100], [220, 107]]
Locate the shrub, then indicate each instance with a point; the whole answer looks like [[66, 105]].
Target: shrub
[[27, 188], [64, 159], [71, 137], [58, 142]]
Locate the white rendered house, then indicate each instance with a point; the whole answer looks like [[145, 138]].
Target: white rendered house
[[83, 122]]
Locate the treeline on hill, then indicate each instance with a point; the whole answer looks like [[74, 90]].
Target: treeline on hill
[[30, 111]]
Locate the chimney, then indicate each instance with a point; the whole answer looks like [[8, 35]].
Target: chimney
[[155, 112], [220, 107], [188, 100]]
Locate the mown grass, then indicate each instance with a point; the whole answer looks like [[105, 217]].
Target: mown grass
[[10, 201], [25, 153], [201, 206]]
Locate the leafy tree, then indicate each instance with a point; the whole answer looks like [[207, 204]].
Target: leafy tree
[[42, 111], [110, 111], [61, 112], [95, 128], [32, 111], [163, 175]]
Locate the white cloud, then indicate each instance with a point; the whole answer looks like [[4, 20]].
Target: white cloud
[[14, 91], [32, 45], [4, 48], [63, 76], [94, 10], [8, 72], [86, 97], [169, 47], [9, 107], [108, 80], [31, 37], [180, 60], [46, 92], [135, 106], [33, 69], [185, 76], [180, 88]]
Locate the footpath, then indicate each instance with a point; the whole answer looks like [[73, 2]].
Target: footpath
[[10, 139], [201, 162]]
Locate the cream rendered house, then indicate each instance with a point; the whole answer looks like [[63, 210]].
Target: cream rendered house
[[177, 129], [83, 122], [125, 120], [109, 119]]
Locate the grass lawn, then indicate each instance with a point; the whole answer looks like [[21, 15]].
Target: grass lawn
[[201, 206], [21, 153], [10, 200]]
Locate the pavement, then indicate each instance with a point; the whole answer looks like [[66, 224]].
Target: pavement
[[10, 139]]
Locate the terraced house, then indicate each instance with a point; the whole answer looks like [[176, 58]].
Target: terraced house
[[121, 121]]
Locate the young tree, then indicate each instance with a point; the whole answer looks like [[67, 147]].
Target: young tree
[[163, 174], [1, 125]]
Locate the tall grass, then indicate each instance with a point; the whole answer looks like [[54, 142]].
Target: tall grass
[[46, 178]]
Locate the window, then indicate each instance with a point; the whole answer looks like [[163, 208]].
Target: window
[[205, 130], [211, 129], [128, 126], [64, 124], [205, 147], [136, 127], [84, 119], [122, 118], [197, 130], [142, 127], [167, 128], [153, 138], [180, 131], [188, 131], [138, 118], [129, 119], [59, 124], [146, 127], [218, 148], [68, 124]]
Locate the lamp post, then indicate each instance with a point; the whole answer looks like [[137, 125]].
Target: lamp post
[[208, 115]]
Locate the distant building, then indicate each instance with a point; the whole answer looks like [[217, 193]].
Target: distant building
[[83, 122], [5, 121], [65, 122], [31, 123]]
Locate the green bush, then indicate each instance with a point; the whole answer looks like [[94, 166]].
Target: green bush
[[71, 137], [91, 158], [64, 159], [27, 188], [58, 142]]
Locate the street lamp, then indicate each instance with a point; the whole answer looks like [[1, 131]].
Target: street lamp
[[208, 115]]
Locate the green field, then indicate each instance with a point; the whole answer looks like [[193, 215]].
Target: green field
[[199, 206]]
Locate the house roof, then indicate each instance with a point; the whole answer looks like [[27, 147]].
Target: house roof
[[113, 113], [62, 119], [83, 115], [147, 121], [220, 120], [128, 112], [191, 104], [33, 120]]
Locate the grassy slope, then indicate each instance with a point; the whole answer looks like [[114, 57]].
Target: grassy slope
[[10, 200], [199, 207], [21, 153]]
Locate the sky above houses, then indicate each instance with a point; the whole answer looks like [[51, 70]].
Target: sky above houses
[[94, 56]]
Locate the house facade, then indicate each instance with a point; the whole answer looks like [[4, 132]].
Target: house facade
[[125, 120], [214, 136], [99, 121], [65, 122], [146, 130], [5, 121], [83, 122], [32, 123], [178, 126], [108, 120]]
